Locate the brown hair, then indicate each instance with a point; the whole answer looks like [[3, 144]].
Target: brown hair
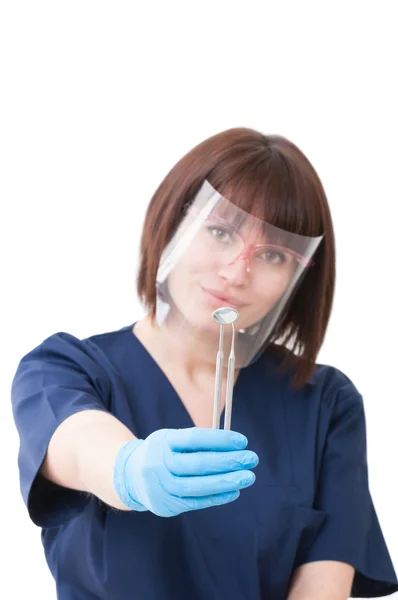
[[268, 176]]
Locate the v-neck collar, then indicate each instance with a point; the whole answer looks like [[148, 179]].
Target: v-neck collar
[[243, 373]]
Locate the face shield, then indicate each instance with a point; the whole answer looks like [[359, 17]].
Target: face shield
[[222, 256]]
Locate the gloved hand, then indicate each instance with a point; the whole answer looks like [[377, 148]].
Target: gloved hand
[[176, 470]]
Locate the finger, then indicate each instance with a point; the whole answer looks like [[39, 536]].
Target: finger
[[209, 501], [201, 438], [209, 462], [208, 485]]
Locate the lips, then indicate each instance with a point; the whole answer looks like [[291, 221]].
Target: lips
[[229, 300]]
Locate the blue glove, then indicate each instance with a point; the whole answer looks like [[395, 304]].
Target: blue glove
[[176, 470]]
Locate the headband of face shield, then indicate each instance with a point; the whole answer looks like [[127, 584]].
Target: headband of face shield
[[222, 256]]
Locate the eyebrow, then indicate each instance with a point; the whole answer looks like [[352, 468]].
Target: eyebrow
[[271, 235]]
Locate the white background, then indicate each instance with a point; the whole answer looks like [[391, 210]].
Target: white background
[[98, 102]]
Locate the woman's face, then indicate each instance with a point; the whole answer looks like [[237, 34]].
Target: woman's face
[[238, 266]]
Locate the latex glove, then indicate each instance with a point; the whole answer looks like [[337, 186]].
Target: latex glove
[[176, 470]]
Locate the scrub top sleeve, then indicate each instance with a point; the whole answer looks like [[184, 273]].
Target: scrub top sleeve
[[351, 532], [53, 381]]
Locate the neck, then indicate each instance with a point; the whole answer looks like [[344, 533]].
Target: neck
[[181, 349]]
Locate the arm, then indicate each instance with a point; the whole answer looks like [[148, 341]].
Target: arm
[[322, 580], [82, 452]]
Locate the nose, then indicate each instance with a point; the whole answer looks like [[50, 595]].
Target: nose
[[237, 272]]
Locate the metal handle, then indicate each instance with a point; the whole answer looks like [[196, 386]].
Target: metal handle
[[218, 389], [230, 390]]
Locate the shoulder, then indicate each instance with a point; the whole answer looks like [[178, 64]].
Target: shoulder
[[332, 383], [107, 339], [92, 346], [65, 352], [327, 383]]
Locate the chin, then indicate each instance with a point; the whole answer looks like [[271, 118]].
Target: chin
[[197, 317]]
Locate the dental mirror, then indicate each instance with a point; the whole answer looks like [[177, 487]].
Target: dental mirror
[[224, 316]]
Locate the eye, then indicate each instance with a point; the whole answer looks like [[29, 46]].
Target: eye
[[274, 258], [219, 233]]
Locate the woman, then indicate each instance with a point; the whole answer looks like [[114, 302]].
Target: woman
[[123, 464]]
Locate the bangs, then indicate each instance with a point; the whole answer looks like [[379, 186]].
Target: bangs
[[276, 192]]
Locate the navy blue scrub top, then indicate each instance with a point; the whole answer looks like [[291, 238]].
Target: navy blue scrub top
[[310, 500]]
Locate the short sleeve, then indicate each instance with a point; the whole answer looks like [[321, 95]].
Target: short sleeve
[[56, 379], [351, 532]]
